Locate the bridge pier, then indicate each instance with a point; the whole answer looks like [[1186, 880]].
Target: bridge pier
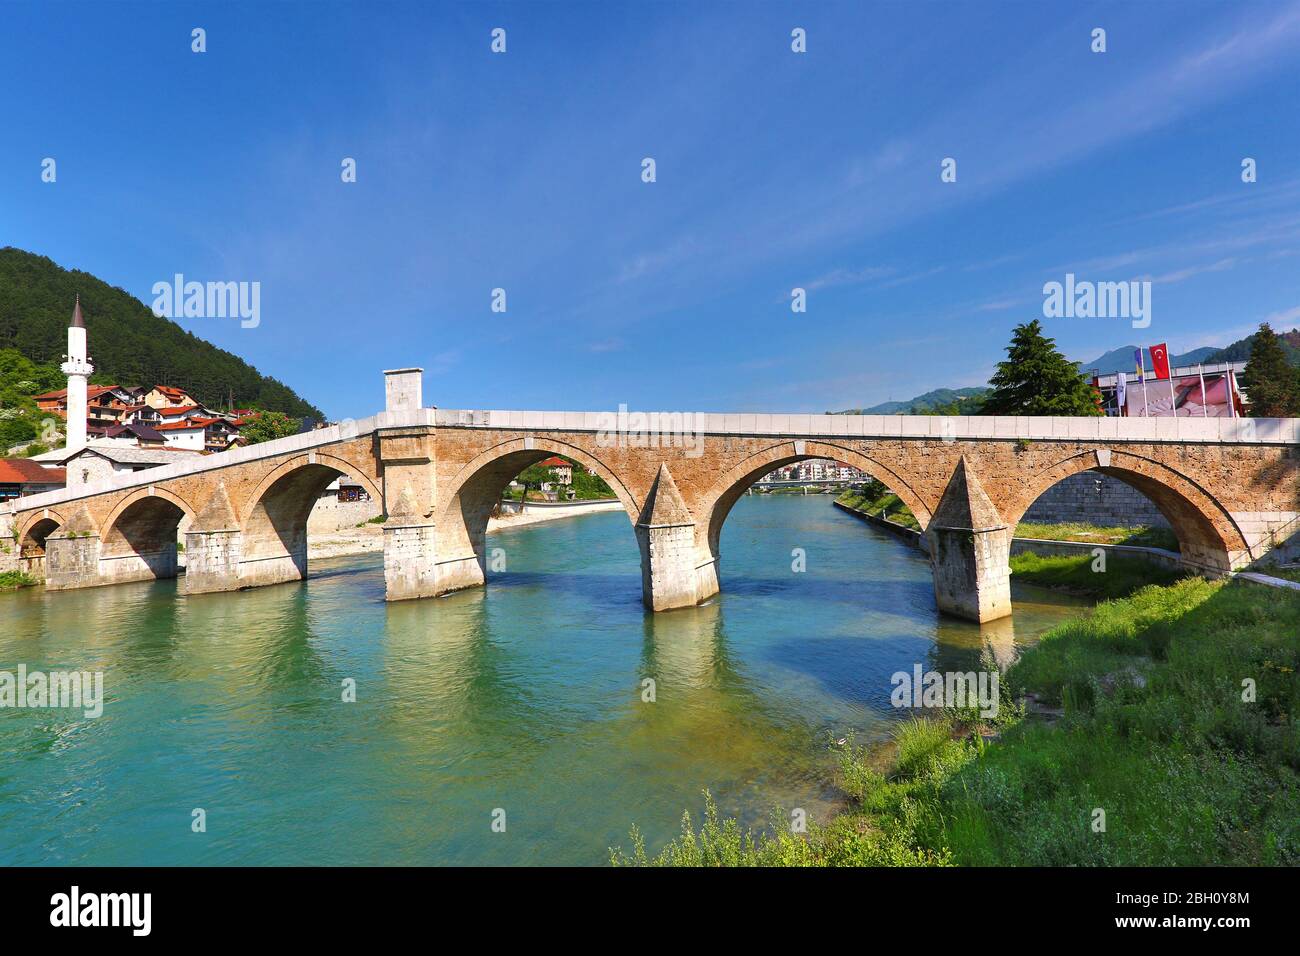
[[671, 575], [970, 550], [9, 547], [71, 562], [72, 555], [410, 561], [214, 546]]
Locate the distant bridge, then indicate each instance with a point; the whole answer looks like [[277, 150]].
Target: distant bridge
[[1227, 486], [810, 483]]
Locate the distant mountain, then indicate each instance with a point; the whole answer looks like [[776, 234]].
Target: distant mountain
[[1240, 350], [1121, 360], [128, 343], [1116, 360], [921, 404]]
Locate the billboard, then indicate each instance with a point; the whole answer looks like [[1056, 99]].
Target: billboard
[[1157, 399]]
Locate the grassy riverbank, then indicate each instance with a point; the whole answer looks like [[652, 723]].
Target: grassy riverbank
[[1154, 734], [1075, 575], [875, 499]]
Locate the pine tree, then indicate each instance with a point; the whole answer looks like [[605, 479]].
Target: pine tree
[[1036, 379], [1272, 385]]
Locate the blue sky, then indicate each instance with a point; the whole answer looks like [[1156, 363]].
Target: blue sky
[[774, 170]]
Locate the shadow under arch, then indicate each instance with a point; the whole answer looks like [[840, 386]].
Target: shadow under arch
[[474, 491], [275, 516], [140, 535], [31, 539], [729, 489], [1208, 536]]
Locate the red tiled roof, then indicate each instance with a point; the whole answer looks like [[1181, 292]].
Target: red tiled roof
[[555, 462], [170, 390], [187, 425], [178, 410], [24, 471], [91, 392]]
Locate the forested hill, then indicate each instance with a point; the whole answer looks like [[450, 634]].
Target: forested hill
[[129, 345]]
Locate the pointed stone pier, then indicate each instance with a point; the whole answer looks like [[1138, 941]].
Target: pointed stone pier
[[970, 547], [665, 533], [410, 562]]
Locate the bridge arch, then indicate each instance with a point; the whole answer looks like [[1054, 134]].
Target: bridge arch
[[35, 529], [729, 488], [139, 537], [274, 515], [477, 485], [1208, 536]]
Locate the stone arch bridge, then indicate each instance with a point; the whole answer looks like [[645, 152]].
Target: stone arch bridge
[[1228, 488]]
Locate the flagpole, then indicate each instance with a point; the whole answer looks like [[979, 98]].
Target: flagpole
[[1205, 402], [1142, 362]]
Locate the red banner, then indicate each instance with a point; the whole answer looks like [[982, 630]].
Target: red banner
[[1160, 361]]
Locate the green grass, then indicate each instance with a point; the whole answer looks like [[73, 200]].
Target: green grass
[[1155, 734], [885, 503], [1079, 531], [16, 579], [1074, 574]]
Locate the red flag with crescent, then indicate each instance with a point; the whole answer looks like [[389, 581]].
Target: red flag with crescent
[[1160, 361]]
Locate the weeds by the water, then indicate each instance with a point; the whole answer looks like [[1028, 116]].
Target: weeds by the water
[[1074, 573], [16, 579], [1179, 745]]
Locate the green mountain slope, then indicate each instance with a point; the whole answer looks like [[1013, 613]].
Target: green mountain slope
[[1240, 349], [919, 405], [1121, 360], [128, 343]]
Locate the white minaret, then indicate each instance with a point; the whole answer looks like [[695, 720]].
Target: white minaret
[[78, 369]]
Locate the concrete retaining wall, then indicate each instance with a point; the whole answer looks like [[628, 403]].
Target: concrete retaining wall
[[560, 509]]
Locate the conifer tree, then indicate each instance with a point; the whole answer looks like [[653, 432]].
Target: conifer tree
[[1271, 384], [1036, 379]]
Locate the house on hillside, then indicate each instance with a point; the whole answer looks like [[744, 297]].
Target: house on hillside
[[20, 477], [135, 434], [219, 434], [560, 469], [143, 414], [105, 400], [189, 434], [166, 396]]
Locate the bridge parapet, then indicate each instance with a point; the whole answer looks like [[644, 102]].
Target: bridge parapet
[[1249, 431], [197, 464]]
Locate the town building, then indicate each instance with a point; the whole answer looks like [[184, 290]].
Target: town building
[[188, 434], [102, 460], [20, 477], [560, 469], [167, 396]]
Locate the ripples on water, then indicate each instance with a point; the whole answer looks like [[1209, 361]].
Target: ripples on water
[[525, 695]]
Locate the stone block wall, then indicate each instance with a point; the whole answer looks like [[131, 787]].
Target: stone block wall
[[1095, 498], [330, 514]]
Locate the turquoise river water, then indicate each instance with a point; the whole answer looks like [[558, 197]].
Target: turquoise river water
[[524, 696]]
